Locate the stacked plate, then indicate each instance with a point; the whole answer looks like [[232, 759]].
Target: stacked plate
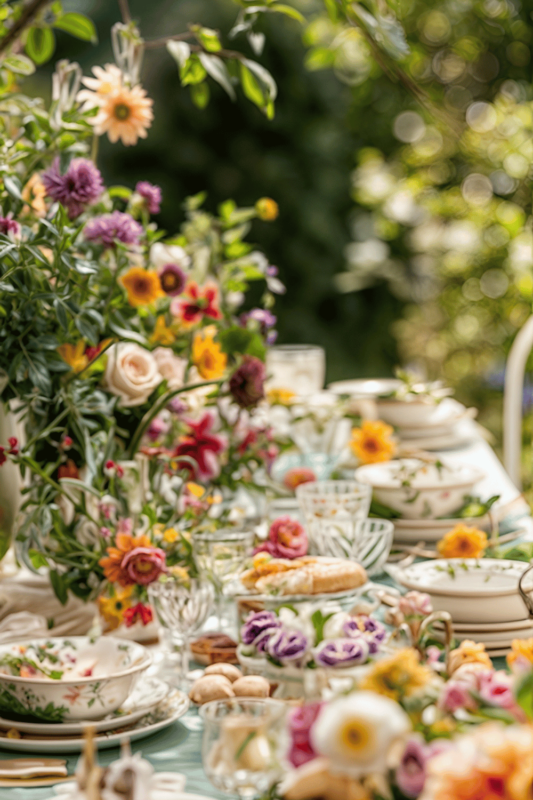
[[481, 595], [427, 426], [151, 706]]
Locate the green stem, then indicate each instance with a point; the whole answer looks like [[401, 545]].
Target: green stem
[[154, 411]]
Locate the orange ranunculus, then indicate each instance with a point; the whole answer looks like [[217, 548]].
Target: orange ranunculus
[[463, 542], [373, 442]]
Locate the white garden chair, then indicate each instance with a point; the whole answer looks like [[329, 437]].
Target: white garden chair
[[512, 401]]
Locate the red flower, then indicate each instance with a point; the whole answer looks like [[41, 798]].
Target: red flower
[[286, 539], [196, 302], [143, 565], [3, 457], [13, 445], [202, 446], [136, 613]]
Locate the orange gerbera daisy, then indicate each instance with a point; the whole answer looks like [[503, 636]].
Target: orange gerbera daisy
[[463, 542], [125, 114], [207, 355], [373, 442], [112, 563], [142, 286]]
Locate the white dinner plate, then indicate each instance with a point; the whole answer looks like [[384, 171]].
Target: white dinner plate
[[509, 628], [148, 692], [494, 639], [450, 441], [167, 712]]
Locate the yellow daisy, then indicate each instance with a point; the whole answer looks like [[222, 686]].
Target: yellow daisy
[[207, 355], [112, 608], [463, 542], [373, 442], [142, 286]]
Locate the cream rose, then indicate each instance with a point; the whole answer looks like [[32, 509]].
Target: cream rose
[[131, 373], [171, 367], [161, 254]]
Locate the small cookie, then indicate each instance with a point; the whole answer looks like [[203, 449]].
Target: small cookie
[[251, 686], [229, 671], [210, 687]]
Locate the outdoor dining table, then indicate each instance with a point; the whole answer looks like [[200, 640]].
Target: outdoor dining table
[[178, 747]]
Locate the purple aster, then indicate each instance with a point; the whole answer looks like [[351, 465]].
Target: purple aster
[[152, 195], [108, 228], [266, 321], [173, 279], [9, 226], [80, 185]]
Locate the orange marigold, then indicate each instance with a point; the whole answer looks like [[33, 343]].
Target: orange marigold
[[463, 542], [373, 442], [142, 286]]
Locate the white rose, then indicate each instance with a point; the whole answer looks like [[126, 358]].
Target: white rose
[[171, 367], [131, 373], [161, 254]]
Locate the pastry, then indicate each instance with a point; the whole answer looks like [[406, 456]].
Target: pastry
[[251, 686], [229, 671], [308, 575], [212, 648], [211, 687]]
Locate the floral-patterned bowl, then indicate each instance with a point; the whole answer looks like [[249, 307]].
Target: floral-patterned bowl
[[78, 678], [420, 490]]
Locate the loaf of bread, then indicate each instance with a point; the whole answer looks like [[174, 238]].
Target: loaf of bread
[[309, 575]]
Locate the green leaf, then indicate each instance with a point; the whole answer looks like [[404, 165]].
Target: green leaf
[[12, 186], [20, 64], [216, 69], [40, 44], [77, 25], [59, 586], [289, 11], [524, 694], [200, 94], [192, 71], [251, 87], [208, 38], [320, 58], [37, 559], [180, 52], [122, 192], [387, 32]]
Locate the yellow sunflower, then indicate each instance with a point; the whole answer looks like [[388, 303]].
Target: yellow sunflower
[[142, 286], [463, 542], [112, 608], [207, 355], [373, 442]]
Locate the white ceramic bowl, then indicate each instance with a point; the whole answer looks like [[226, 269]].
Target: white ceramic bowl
[[60, 679], [471, 590], [418, 490]]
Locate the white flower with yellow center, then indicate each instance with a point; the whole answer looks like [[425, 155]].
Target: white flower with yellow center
[[356, 733]]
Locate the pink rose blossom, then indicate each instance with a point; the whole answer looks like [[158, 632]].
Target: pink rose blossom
[[299, 723], [456, 695], [158, 427], [496, 688], [144, 565], [286, 539], [415, 604]]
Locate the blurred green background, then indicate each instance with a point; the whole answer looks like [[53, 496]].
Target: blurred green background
[[404, 232]]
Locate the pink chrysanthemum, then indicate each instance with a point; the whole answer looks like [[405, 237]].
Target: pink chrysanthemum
[[110, 228], [151, 194], [80, 186]]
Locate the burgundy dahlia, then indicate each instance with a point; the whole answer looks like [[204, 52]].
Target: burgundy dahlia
[[80, 186], [9, 226], [151, 194], [173, 279], [109, 228], [247, 382]]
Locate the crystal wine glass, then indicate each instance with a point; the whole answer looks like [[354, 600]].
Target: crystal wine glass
[[220, 556], [181, 608], [242, 744]]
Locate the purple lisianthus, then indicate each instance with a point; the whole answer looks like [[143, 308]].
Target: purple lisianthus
[[80, 185], [370, 629], [411, 772], [342, 652], [258, 628], [109, 228], [247, 382], [9, 226], [151, 194], [177, 406], [287, 646], [173, 279], [266, 321]]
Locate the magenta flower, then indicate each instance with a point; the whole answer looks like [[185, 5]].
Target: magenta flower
[[247, 382], [456, 695], [411, 772], [110, 228], [202, 446], [173, 279], [496, 688], [299, 723], [158, 427], [286, 539], [144, 565], [80, 186], [9, 226], [151, 194]]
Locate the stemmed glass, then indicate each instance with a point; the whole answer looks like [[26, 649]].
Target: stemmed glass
[[181, 608], [301, 368], [242, 744], [220, 556]]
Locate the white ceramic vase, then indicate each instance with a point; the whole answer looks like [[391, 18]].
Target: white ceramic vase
[[10, 478]]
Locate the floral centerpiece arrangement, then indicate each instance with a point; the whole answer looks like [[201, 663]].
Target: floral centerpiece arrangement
[[132, 358]]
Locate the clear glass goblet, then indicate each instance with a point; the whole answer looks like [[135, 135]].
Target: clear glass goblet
[[367, 541], [300, 368], [242, 744], [181, 609], [221, 556]]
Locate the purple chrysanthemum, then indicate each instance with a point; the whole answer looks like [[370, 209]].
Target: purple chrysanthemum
[[9, 226], [152, 195], [173, 279], [109, 228], [81, 185]]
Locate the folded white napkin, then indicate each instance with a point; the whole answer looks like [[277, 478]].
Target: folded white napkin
[[22, 625]]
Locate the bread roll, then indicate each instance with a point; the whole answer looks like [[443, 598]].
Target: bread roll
[[251, 686], [229, 671], [211, 687]]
